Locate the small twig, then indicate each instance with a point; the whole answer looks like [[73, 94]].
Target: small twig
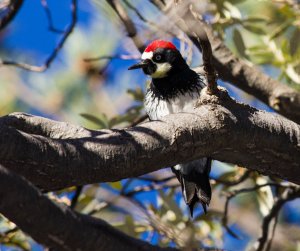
[[49, 17], [139, 120], [156, 180], [233, 194], [76, 197], [263, 243], [53, 55], [128, 24], [147, 188], [9, 231], [136, 11], [123, 57], [241, 179], [150, 24], [125, 186]]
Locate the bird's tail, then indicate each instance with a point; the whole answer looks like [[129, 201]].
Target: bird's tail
[[195, 186]]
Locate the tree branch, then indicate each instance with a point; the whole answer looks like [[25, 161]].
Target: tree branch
[[55, 155], [49, 17], [282, 98], [57, 226], [54, 53], [265, 241], [128, 24], [13, 8]]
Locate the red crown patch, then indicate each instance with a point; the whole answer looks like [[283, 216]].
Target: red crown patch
[[160, 44]]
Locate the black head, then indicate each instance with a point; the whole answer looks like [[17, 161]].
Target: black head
[[161, 59]]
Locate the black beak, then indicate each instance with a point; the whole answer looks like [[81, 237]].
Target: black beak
[[142, 64]]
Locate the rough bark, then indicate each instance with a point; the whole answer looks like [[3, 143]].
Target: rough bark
[[12, 10], [282, 98], [58, 226], [55, 155]]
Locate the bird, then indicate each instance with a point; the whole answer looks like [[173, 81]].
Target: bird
[[175, 88]]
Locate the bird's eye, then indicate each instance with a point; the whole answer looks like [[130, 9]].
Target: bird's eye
[[157, 57]]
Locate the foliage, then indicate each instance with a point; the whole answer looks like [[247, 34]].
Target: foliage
[[103, 95]]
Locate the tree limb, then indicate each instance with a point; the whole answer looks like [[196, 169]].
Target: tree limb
[[265, 240], [56, 225], [282, 98], [128, 24], [56, 155], [54, 53], [13, 8]]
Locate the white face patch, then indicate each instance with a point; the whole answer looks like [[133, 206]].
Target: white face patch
[[147, 55], [162, 68]]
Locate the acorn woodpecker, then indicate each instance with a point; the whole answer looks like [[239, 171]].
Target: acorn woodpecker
[[175, 88]]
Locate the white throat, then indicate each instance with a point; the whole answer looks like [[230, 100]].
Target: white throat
[[162, 68]]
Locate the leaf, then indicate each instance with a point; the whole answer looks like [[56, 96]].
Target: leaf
[[227, 176], [292, 73], [255, 19], [257, 48], [131, 114], [280, 29], [261, 55], [234, 12], [170, 204], [255, 29], [265, 196], [137, 94], [116, 185], [295, 41], [129, 227], [239, 43], [96, 120], [237, 1]]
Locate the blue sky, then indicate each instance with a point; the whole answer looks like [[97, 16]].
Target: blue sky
[[29, 39]]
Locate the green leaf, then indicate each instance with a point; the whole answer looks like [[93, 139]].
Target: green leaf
[[255, 29], [116, 185], [131, 114], [237, 1], [280, 29], [257, 48], [101, 122], [239, 43], [295, 41], [137, 94], [264, 58], [255, 19], [227, 176]]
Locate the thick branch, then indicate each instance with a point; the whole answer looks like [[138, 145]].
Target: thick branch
[[54, 155], [282, 98], [57, 226], [12, 10]]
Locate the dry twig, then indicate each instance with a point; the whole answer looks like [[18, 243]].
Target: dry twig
[[53, 55], [265, 240]]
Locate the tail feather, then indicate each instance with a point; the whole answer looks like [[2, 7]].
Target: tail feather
[[195, 185]]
